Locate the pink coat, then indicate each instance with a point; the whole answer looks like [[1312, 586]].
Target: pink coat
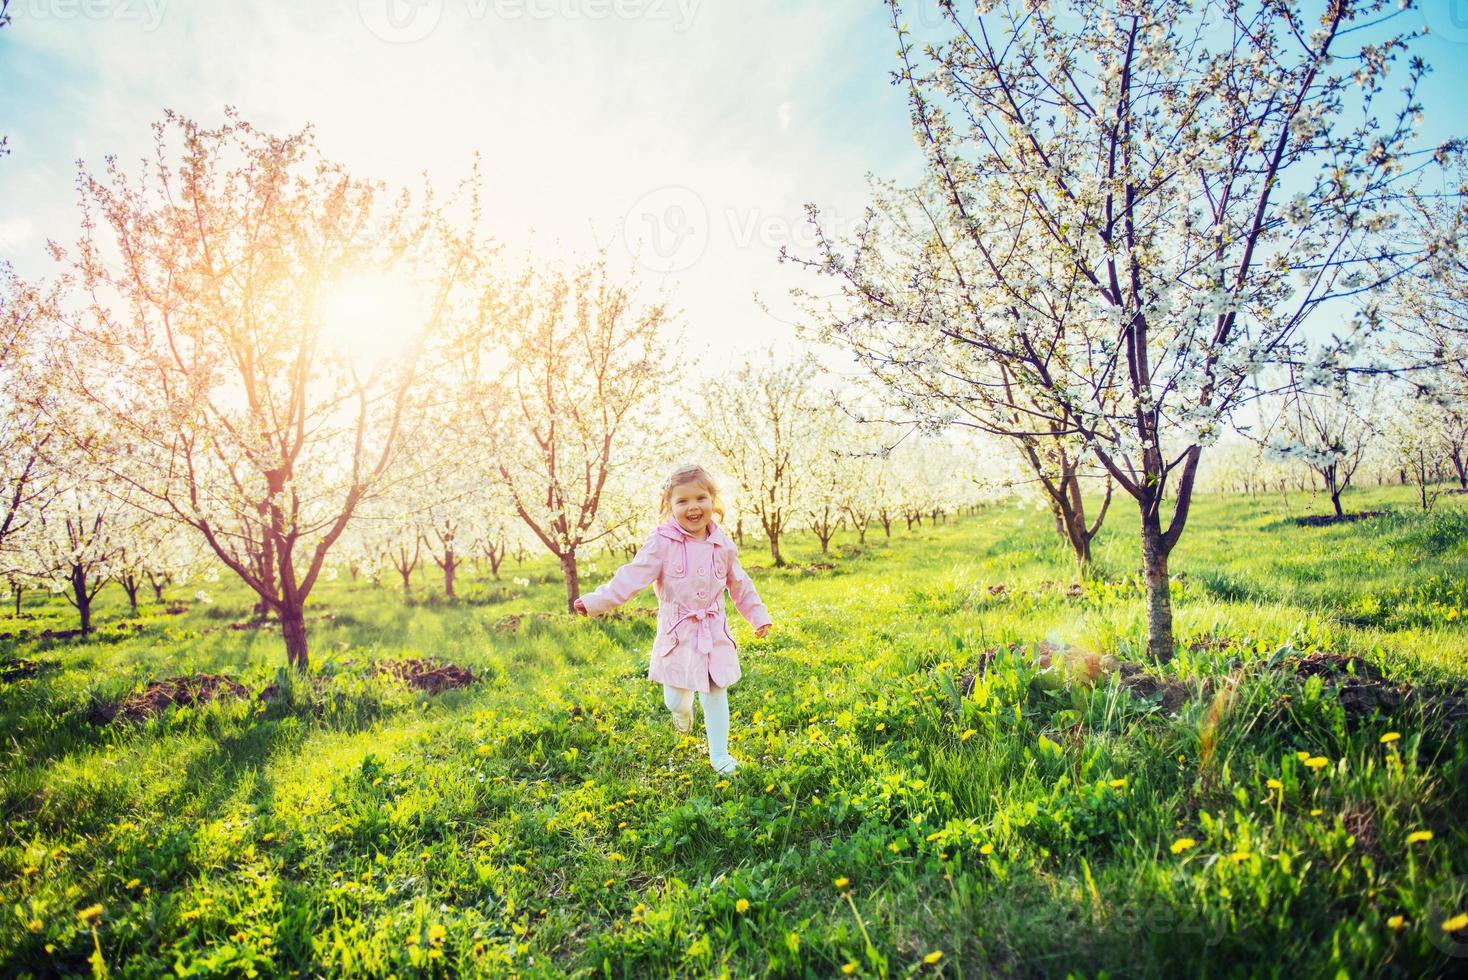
[[693, 649]]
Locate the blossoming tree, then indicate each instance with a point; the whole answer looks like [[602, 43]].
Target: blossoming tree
[[1127, 209], [201, 341], [558, 371]]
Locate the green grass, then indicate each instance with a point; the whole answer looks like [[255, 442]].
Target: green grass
[[549, 821]]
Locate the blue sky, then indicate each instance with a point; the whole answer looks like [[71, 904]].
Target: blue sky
[[700, 126]]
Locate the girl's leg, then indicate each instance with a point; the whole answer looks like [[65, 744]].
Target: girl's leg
[[680, 703], [716, 722]]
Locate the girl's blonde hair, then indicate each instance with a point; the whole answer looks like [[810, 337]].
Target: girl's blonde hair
[[683, 475]]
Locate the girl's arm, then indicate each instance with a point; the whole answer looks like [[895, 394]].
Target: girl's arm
[[629, 580], [746, 598]]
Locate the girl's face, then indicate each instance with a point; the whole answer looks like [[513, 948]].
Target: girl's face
[[693, 507]]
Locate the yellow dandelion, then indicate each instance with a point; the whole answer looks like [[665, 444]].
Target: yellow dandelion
[[1317, 762], [1239, 856], [1419, 836], [986, 850], [1316, 812], [741, 906], [1182, 844], [881, 726], [1390, 737], [437, 932], [933, 957], [1396, 923], [90, 914], [1117, 783], [1302, 756], [968, 733], [842, 882], [1457, 922], [849, 967], [1274, 784]]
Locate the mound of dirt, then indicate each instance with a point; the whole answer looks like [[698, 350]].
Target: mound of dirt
[[1140, 684], [159, 696], [15, 668], [1089, 668], [425, 675], [1325, 520], [1363, 689]]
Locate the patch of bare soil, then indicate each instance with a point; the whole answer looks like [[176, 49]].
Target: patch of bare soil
[[425, 675], [159, 696]]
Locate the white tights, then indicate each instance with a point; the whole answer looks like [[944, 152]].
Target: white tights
[[715, 719]]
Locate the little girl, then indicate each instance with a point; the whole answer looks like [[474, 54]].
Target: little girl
[[690, 561]]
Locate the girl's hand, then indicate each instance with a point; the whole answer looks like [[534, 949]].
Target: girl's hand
[[760, 631], [580, 608]]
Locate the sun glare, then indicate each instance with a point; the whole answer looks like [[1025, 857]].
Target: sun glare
[[371, 319]]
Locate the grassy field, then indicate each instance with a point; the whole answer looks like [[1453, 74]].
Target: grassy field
[[917, 795]]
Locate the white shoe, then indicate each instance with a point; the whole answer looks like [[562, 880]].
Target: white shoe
[[683, 724], [725, 766]]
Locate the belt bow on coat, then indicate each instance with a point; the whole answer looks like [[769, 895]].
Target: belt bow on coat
[[703, 618]]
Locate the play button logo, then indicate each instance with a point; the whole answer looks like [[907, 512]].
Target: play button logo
[[400, 21]]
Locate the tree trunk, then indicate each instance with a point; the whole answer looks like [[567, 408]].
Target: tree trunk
[[130, 585], [293, 628], [886, 520], [1335, 500], [83, 598], [1159, 597], [19, 591], [156, 582], [775, 550], [449, 567], [573, 580]]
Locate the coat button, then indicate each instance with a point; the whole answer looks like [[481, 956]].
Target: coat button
[[701, 594], [702, 572]]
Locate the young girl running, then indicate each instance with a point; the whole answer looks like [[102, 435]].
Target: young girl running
[[690, 561]]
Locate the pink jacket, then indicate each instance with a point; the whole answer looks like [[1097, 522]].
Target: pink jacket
[[693, 649]]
